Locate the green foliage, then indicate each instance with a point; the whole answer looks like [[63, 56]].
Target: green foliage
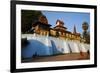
[[27, 18], [86, 36]]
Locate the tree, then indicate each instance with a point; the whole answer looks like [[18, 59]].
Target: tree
[[86, 35], [27, 18]]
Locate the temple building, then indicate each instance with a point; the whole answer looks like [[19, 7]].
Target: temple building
[[42, 27], [60, 29]]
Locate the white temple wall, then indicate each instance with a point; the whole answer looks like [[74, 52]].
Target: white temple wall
[[44, 46]]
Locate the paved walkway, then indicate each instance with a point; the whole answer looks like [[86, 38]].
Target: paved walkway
[[66, 57]]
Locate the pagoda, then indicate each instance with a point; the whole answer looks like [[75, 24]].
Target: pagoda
[[41, 26], [60, 28]]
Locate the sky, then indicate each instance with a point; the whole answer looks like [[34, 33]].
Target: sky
[[69, 18]]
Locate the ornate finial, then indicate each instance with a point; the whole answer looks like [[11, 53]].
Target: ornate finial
[[59, 23], [43, 19]]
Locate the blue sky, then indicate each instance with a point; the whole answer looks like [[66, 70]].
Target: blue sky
[[69, 18]]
